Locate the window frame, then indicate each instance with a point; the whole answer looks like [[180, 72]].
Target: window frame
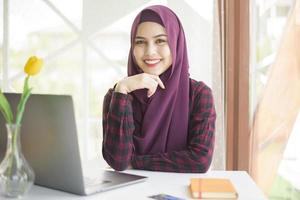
[[236, 61]]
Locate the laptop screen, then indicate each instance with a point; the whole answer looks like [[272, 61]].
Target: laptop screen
[[49, 143]]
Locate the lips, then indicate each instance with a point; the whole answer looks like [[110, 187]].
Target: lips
[[152, 62]]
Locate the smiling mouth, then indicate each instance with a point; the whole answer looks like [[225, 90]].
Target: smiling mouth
[[152, 62]]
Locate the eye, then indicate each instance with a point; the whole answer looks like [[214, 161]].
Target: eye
[[139, 42], [161, 41]]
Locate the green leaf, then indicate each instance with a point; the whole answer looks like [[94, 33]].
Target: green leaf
[[5, 108]]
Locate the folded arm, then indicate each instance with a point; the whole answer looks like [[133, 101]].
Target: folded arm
[[118, 127]]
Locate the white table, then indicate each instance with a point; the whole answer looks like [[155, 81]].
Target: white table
[[175, 184]]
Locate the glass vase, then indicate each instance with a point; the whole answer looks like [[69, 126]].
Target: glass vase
[[16, 176]]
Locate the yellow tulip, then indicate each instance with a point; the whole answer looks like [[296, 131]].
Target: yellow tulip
[[33, 66]]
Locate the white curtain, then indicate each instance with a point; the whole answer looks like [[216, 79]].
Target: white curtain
[[278, 107]]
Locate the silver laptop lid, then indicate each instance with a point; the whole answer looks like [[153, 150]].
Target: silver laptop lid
[[49, 141]]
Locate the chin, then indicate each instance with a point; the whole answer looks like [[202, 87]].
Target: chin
[[154, 73]]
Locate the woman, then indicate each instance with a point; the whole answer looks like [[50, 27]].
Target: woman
[[158, 118]]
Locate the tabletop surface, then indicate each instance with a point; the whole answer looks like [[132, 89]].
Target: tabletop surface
[[175, 184]]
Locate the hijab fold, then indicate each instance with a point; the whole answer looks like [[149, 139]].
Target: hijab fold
[[162, 120]]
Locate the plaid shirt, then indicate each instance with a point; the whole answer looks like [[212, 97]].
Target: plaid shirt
[[118, 128]]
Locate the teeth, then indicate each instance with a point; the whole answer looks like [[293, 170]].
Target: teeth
[[152, 61]]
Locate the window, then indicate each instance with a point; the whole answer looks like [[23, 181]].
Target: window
[[268, 22]]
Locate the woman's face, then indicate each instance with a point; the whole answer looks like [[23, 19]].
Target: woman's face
[[151, 49]]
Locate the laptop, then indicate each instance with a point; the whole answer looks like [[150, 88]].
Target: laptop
[[50, 145]]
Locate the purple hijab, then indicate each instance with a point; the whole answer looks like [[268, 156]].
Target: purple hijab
[[162, 120]]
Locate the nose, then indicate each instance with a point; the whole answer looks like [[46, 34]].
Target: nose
[[150, 49]]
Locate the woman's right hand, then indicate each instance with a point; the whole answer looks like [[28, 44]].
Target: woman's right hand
[[139, 81]]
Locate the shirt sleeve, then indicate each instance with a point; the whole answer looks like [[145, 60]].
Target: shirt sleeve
[[118, 127], [198, 155]]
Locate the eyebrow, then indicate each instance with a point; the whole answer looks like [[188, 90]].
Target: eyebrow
[[156, 36]]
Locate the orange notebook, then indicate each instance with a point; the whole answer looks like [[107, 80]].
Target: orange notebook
[[212, 188]]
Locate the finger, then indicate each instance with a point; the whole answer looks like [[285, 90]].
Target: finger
[[149, 93], [160, 83], [151, 90]]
